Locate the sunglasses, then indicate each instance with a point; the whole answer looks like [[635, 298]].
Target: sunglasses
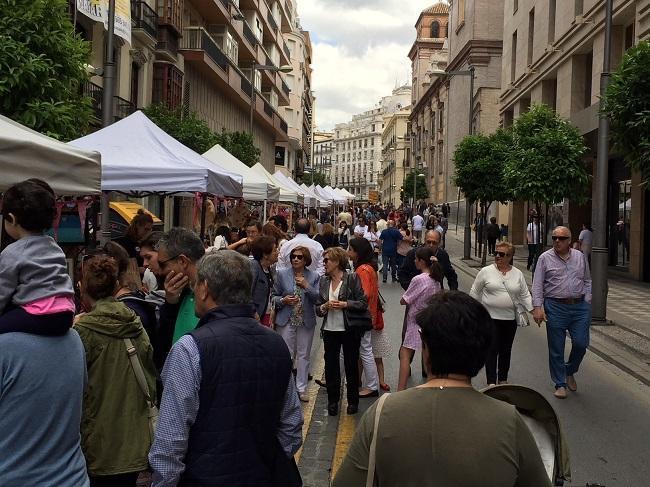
[[501, 254], [559, 237], [297, 256]]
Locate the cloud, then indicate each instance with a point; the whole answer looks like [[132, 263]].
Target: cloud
[[360, 51]]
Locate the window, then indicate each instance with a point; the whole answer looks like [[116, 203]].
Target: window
[[372, 142], [531, 35], [461, 13], [513, 58], [629, 36], [373, 127], [167, 85], [435, 30], [551, 21]]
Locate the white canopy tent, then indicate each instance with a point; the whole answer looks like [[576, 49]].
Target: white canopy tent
[[287, 195], [256, 186], [345, 192], [25, 153], [324, 201], [308, 199], [138, 156], [329, 194], [341, 198]]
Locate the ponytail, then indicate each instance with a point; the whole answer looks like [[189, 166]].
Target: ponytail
[[427, 254]]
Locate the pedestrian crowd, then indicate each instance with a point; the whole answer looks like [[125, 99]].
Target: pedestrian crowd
[[191, 360]]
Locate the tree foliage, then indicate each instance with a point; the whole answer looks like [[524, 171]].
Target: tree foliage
[[410, 186], [627, 104], [545, 163], [480, 162], [193, 132], [43, 68], [317, 178]]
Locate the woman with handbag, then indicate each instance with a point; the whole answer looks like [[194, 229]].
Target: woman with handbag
[[344, 307], [421, 289], [503, 291], [362, 256], [115, 426]]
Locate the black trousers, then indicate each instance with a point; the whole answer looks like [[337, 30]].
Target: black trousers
[[499, 355], [532, 256], [121, 480], [492, 242], [350, 341]]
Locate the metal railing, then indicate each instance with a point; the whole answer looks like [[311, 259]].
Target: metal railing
[[285, 88], [246, 86], [122, 108], [197, 38], [286, 50], [268, 109], [274, 24], [248, 34], [95, 93], [284, 126], [144, 17]]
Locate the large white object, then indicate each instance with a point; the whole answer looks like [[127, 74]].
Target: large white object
[[341, 198], [25, 153], [256, 186], [139, 156], [324, 202], [310, 198], [347, 193], [287, 195], [329, 194]]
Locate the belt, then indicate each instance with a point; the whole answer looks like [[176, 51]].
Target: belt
[[577, 300]]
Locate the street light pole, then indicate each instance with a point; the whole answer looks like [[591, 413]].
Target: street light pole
[[599, 251], [467, 237], [108, 91]]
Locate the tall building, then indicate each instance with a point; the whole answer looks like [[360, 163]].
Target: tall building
[[395, 149], [553, 54], [427, 128], [323, 153], [299, 113], [357, 147]]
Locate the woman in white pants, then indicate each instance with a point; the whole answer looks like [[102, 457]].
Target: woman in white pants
[[295, 293]]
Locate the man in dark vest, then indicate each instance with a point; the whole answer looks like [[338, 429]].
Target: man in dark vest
[[230, 414]]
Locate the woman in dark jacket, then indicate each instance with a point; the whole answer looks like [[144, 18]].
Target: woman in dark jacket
[[327, 238], [339, 292], [265, 254]]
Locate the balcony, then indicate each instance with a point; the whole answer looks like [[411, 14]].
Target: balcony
[[170, 14], [249, 35], [197, 39], [285, 88], [286, 50], [121, 108], [144, 21], [272, 22], [167, 45]]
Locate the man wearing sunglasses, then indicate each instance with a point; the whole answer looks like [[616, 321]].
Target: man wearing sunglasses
[[562, 298]]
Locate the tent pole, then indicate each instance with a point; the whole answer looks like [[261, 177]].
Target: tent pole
[[105, 224], [204, 197], [264, 212]]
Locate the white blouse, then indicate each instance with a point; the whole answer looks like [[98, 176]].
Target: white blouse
[[488, 288], [335, 320]]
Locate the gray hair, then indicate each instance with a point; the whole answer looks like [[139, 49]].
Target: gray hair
[[228, 275], [179, 241]]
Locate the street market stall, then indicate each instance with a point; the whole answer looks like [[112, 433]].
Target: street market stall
[[287, 195]]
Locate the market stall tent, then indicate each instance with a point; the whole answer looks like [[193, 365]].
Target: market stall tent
[[287, 195], [324, 202], [138, 156], [310, 199], [256, 186], [25, 153]]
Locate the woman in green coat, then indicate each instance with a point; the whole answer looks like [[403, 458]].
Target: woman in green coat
[[115, 436]]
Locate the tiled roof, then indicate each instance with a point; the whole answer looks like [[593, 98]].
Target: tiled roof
[[437, 8]]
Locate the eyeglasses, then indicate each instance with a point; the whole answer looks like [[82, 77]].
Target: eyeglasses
[[298, 256], [162, 263], [559, 237], [501, 254]]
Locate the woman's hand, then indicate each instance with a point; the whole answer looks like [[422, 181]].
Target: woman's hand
[[302, 282], [290, 299], [338, 304]]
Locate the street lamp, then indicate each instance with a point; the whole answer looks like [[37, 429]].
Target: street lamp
[[415, 186], [263, 67], [467, 238]]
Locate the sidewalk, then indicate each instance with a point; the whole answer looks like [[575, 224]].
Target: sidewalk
[[625, 343]]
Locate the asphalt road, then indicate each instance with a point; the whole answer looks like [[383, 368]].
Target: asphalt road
[[607, 422]]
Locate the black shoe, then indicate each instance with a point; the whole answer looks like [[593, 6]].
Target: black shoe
[[321, 382], [394, 279], [333, 409], [369, 394], [353, 408], [309, 377], [384, 281]]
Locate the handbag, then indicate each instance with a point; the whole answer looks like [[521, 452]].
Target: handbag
[[358, 319], [372, 455], [521, 313], [142, 382]]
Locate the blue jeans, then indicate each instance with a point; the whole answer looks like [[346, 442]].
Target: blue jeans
[[576, 319], [389, 260]]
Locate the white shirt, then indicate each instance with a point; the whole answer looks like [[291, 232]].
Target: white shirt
[[335, 320], [533, 230], [220, 242], [360, 230], [586, 237], [372, 237], [382, 225], [418, 221], [302, 240], [488, 288]]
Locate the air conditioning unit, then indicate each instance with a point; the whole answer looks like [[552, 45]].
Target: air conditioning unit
[[225, 41]]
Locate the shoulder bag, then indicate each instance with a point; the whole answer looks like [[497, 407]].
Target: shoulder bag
[[357, 319], [142, 382], [521, 313], [372, 455]]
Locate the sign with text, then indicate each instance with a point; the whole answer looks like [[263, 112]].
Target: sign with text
[[373, 196], [279, 155], [97, 10]]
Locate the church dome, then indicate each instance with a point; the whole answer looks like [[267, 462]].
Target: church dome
[[437, 8]]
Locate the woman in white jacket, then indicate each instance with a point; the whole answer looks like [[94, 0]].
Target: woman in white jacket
[[499, 287]]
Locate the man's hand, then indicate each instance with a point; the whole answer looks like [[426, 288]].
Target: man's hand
[[174, 285], [539, 315]]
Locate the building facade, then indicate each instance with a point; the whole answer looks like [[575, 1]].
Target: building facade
[[553, 54], [357, 147], [395, 150], [324, 153], [427, 128]]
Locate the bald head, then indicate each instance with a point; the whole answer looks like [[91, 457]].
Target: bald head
[[432, 238]]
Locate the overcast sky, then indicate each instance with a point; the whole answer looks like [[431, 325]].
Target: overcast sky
[[360, 52]]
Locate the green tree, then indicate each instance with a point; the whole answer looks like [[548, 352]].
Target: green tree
[[546, 161], [316, 178], [627, 104], [43, 68], [480, 162], [240, 145], [188, 129], [410, 186]]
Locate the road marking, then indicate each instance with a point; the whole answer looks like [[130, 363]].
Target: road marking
[[312, 391], [344, 434]]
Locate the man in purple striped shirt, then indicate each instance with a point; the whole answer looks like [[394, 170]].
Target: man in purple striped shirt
[[562, 298]]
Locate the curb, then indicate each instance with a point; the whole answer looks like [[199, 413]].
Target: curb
[[601, 344]]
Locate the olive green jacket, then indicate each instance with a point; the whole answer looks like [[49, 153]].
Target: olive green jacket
[[114, 426]]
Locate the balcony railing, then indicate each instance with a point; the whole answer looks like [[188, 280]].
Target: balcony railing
[[284, 126], [122, 108], [95, 93], [248, 34], [268, 109], [167, 41], [272, 21], [196, 38], [144, 17], [286, 50], [285, 88], [246, 86]]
